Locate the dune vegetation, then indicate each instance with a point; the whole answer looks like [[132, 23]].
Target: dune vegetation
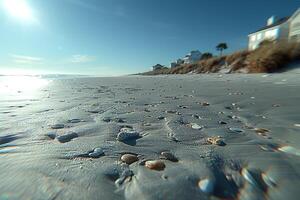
[[269, 57]]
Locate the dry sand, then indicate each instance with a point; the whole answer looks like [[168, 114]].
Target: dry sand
[[223, 137]]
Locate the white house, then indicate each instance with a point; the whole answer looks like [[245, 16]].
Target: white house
[[287, 28], [192, 57]]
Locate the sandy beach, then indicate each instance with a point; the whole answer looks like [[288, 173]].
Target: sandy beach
[[209, 136]]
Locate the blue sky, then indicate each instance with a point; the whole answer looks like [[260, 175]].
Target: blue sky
[[115, 37]]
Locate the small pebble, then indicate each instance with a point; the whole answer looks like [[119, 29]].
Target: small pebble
[[168, 156], [127, 134], [67, 137], [51, 135], [206, 185], [96, 153], [204, 104], [161, 118], [129, 158], [57, 126], [222, 122], [236, 130], [195, 126], [74, 121], [155, 165]]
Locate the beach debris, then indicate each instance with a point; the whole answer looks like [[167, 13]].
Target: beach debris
[[236, 130], [290, 150], [126, 134], [269, 181], [57, 126], [206, 185], [195, 126], [261, 131], [168, 156], [96, 153], [67, 137], [157, 165], [129, 158], [216, 140], [74, 121]]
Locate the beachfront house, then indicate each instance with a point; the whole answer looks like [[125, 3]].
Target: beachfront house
[[277, 29], [177, 63], [192, 57]]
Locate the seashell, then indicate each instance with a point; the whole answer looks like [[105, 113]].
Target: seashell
[[155, 165], [195, 126], [206, 185], [57, 126], [290, 150], [261, 130], [168, 156], [129, 158], [96, 153], [216, 140]]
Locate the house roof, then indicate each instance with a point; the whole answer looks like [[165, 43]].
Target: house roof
[[278, 22]]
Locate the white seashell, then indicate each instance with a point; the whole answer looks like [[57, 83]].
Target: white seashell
[[196, 126], [206, 185]]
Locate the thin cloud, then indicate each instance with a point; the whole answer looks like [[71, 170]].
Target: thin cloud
[[21, 59], [82, 58]]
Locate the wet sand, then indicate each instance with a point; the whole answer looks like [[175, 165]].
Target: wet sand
[[232, 136]]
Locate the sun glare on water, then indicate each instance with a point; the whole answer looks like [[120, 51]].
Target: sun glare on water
[[21, 85], [19, 9]]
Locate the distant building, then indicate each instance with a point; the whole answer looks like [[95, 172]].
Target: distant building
[[177, 63], [157, 67], [192, 57], [277, 29]]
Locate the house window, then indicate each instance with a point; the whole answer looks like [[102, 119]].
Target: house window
[[272, 34]]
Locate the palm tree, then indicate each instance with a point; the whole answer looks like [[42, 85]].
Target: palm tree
[[221, 47]]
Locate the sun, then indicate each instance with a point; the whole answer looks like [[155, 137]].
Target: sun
[[19, 9]]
